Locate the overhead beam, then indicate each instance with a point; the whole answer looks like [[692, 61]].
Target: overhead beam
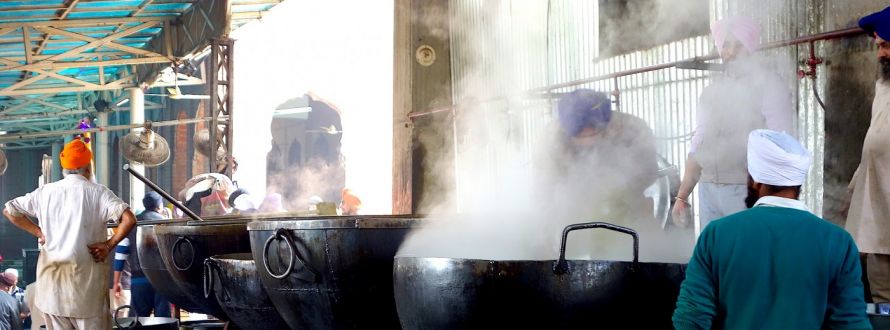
[[26, 36], [65, 78], [91, 55], [204, 21], [135, 12], [257, 2], [9, 138], [53, 125], [25, 103], [96, 43], [43, 65], [69, 4], [88, 22], [91, 40], [39, 100], [8, 90], [65, 89], [68, 112]]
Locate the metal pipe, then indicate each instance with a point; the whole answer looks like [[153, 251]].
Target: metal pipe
[[163, 193], [103, 148], [20, 137], [137, 116], [837, 34]]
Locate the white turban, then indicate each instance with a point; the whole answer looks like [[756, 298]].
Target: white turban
[[777, 159], [13, 271]]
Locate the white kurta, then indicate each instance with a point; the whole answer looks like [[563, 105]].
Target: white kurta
[[72, 214], [869, 218]]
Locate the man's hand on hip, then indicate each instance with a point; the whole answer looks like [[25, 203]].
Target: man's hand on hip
[[99, 250]]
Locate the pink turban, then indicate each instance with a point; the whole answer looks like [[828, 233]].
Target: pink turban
[[743, 29], [272, 204]]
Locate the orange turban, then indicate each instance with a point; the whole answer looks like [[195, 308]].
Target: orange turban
[[351, 203], [75, 155]]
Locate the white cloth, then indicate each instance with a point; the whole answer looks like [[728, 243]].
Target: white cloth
[[867, 220], [775, 201], [732, 106], [98, 322], [72, 213], [37, 318], [202, 182], [717, 200], [776, 158]]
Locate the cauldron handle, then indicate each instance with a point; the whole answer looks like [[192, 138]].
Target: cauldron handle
[[135, 318], [209, 264], [562, 266], [176, 244], [282, 233]]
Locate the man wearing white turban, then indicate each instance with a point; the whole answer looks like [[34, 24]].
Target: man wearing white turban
[[775, 265], [748, 95]]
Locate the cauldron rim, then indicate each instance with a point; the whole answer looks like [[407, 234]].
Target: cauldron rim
[[240, 256], [546, 261], [338, 222]]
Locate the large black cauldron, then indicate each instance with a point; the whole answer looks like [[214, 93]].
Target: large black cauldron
[[331, 273], [234, 281], [185, 247], [443, 293], [156, 272]]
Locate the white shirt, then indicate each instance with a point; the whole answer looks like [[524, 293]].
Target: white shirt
[[72, 214], [776, 201]]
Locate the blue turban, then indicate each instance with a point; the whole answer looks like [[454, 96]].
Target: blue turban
[[151, 201], [877, 23], [584, 107]]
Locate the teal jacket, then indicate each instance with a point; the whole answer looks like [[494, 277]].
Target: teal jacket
[[773, 268]]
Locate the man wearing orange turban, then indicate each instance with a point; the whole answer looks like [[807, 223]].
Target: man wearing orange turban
[[75, 156], [73, 268], [350, 203]]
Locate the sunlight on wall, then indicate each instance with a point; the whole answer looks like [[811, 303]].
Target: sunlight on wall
[[340, 50]]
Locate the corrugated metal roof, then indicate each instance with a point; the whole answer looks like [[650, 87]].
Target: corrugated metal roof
[[30, 83]]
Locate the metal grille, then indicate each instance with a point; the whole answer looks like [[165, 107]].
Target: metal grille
[[532, 44]]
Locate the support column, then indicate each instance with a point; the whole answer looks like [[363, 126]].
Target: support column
[[432, 136], [221, 81], [102, 151], [56, 167], [137, 116], [403, 128]]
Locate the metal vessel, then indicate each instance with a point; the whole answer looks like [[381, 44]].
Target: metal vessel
[[233, 280], [446, 293], [156, 272], [331, 273], [184, 248]]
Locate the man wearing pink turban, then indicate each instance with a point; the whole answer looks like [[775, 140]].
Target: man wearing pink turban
[[746, 96], [739, 31]]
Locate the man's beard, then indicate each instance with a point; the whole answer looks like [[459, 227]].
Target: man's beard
[[752, 198], [885, 68]]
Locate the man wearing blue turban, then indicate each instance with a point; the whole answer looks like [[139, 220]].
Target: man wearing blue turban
[[600, 164], [867, 219], [606, 157]]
